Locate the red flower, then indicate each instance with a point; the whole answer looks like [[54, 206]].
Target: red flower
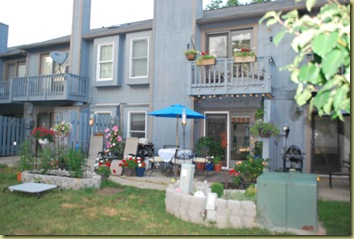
[[114, 171]]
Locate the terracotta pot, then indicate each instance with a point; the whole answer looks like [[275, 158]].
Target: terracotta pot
[[19, 176], [190, 57], [200, 166], [217, 167]]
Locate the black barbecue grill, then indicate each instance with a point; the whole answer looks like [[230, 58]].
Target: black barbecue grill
[[295, 158]]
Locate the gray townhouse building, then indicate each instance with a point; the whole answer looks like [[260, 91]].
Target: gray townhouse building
[[125, 71]]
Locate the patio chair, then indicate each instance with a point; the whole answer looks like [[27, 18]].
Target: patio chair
[[336, 170], [131, 146], [130, 149]]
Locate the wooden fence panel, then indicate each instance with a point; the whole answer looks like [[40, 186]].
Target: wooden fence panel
[[12, 134]]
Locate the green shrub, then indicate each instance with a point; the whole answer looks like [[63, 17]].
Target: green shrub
[[76, 162], [251, 191], [218, 188]]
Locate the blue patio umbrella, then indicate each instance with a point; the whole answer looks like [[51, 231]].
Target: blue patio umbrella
[[176, 111]]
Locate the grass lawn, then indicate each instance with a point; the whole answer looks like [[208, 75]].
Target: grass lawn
[[119, 210]]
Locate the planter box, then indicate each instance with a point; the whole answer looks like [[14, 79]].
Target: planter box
[[206, 62], [244, 59]]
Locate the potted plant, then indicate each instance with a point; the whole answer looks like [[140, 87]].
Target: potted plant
[[104, 170], [43, 135], [62, 129], [244, 55], [191, 54], [217, 163], [205, 59], [206, 146], [262, 129], [140, 168], [129, 163]]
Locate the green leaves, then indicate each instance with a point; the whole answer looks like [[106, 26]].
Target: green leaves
[[326, 35]]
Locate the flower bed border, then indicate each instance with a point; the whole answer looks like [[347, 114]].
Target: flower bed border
[[91, 181]]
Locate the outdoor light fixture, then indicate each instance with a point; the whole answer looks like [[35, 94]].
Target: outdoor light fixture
[[92, 120], [184, 117], [286, 129]]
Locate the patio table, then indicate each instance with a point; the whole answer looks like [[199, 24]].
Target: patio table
[[32, 188]]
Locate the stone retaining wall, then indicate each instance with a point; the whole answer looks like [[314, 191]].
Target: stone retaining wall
[[224, 213], [91, 180]]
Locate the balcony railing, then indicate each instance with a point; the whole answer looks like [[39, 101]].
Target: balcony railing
[[46, 87], [228, 77]]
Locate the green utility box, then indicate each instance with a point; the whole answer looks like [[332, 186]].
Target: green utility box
[[287, 200]]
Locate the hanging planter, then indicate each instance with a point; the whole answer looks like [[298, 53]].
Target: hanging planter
[[244, 59], [262, 129], [205, 60], [244, 55], [43, 141], [191, 54]]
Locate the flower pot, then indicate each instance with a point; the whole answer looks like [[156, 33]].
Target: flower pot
[[206, 62], [140, 172], [244, 59], [190, 57], [43, 141], [19, 176], [200, 166], [129, 172], [104, 178], [209, 166], [217, 167]]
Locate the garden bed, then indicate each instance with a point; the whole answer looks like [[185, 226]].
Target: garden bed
[[63, 179]]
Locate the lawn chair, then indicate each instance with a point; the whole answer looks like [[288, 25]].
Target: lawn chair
[[130, 149], [335, 170]]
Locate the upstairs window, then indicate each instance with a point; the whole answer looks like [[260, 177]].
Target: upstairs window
[[15, 69], [241, 39], [105, 62], [49, 67], [137, 124], [217, 45], [139, 57]]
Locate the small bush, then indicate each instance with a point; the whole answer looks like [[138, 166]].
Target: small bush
[[251, 191], [218, 188]]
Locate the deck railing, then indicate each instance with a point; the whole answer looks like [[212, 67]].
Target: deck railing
[[226, 77], [63, 86]]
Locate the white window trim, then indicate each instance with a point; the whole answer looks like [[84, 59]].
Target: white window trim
[[130, 57], [98, 63], [128, 122]]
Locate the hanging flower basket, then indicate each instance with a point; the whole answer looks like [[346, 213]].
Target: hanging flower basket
[[43, 141], [191, 57]]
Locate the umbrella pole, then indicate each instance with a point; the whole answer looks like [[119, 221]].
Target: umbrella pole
[[176, 131]]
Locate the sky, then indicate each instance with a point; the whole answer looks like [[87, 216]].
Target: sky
[[32, 21]]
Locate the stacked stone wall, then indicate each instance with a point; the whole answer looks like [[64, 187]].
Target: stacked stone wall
[[224, 213], [64, 182]]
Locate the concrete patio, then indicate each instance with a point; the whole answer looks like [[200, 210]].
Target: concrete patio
[[339, 192]]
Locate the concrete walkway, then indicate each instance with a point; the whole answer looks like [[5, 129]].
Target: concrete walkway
[[339, 192]]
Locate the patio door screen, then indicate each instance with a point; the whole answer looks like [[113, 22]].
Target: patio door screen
[[216, 127]]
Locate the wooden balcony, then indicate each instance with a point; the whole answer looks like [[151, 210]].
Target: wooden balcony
[[227, 77], [56, 87]]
